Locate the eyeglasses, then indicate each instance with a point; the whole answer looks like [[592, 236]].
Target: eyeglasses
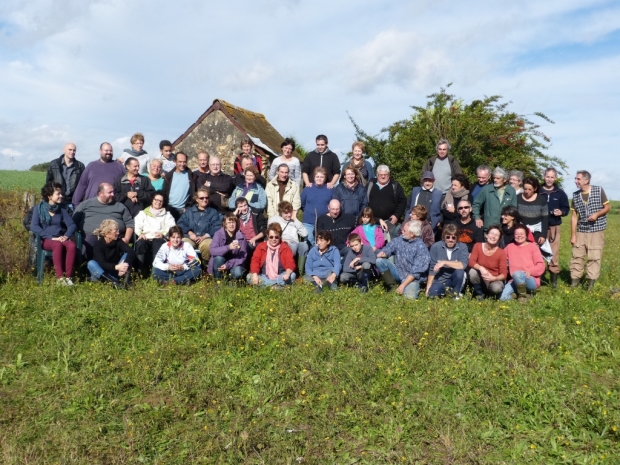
[[157, 200], [274, 237], [464, 208], [450, 237], [203, 198]]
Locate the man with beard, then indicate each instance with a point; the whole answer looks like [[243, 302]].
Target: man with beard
[[492, 198], [104, 170], [469, 232]]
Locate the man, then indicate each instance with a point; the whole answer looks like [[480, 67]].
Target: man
[[239, 178], [90, 213], [219, 184], [428, 196], [105, 170], [324, 157], [199, 223], [469, 232], [252, 225], [492, 198], [449, 259], [557, 202], [483, 173], [387, 199], [179, 187], [443, 166], [588, 223], [338, 224], [412, 260], [66, 171], [166, 156], [282, 188], [200, 174], [132, 190]]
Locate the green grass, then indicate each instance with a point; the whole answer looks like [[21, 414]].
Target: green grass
[[235, 375], [27, 180]]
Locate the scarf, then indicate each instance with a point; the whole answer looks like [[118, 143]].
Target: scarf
[[135, 153], [451, 195], [353, 186], [150, 211], [245, 218], [272, 261], [44, 212]]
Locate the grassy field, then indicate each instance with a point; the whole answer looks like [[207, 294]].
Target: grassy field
[[91, 375], [27, 180]]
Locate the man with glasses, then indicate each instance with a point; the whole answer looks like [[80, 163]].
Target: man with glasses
[[449, 259], [483, 173], [179, 187], [199, 223], [492, 198], [219, 184], [469, 232], [387, 199]]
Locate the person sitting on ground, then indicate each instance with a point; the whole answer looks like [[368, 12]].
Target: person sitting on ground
[[228, 249], [420, 213], [273, 263], [239, 178], [288, 147], [152, 226], [487, 265], [252, 225], [155, 175], [200, 222], [359, 264], [457, 192], [137, 142], [132, 190], [176, 261], [369, 232], [112, 258], [247, 146], [251, 191], [449, 259], [323, 263], [525, 265], [54, 225], [292, 229], [314, 201], [282, 188]]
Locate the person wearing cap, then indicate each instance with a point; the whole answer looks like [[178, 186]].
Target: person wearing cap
[[443, 166], [429, 196]]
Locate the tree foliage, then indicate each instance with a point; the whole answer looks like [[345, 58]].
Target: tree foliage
[[41, 167], [483, 132]]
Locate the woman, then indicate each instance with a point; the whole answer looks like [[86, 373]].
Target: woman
[[288, 147], [314, 201], [420, 213], [251, 190], [246, 149], [458, 191], [176, 261], [137, 142], [487, 265], [323, 263], [516, 180], [52, 222], [351, 192], [228, 249], [154, 174], [272, 263], [369, 232], [151, 226], [112, 258], [533, 210], [525, 264], [358, 162], [510, 219]]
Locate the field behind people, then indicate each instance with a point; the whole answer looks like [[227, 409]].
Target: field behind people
[[211, 374], [27, 180]]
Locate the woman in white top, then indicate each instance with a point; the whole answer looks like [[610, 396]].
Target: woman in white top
[[151, 226], [288, 146]]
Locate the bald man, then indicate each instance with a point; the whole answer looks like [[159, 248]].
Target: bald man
[[66, 170], [338, 224]]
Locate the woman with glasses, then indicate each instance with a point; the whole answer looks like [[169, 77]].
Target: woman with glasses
[[459, 190], [228, 249], [369, 232], [273, 263], [152, 226], [487, 265], [449, 259]]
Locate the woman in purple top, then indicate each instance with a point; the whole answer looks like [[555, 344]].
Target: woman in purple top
[[228, 249]]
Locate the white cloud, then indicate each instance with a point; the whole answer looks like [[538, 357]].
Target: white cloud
[[247, 77], [10, 153]]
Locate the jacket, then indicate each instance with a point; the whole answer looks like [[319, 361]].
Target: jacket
[[291, 194], [191, 177], [259, 223], [167, 255], [454, 165], [222, 183], [54, 174], [384, 210], [556, 198], [218, 247], [351, 201], [286, 262], [328, 160], [256, 197], [439, 252], [323, 264], [487, 204], [367, 255], [107, 255], [379, 237], [148, 224], [200, 222], [141, 186], [61, 225], [435, 214]]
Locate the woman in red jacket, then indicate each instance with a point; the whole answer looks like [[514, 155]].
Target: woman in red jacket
[[272, 263]]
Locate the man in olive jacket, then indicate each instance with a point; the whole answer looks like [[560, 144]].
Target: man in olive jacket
[[492, 198]]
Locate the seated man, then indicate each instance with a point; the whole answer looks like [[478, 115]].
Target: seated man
[[412, 260], [449, 259], [359, 263], [200, 222], [323, 263], [252, 225], [338, 224]]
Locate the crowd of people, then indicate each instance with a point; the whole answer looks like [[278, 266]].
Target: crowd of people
[[155, 216]]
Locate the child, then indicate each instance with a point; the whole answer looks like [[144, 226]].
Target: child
[[176, 260], [369, 232], [359, 263]]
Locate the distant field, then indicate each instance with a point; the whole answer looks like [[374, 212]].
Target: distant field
[[28, 180]]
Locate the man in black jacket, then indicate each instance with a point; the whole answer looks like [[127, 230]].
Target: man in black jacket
[[324, 157], [66, 171], [338, 224], [387, 199]]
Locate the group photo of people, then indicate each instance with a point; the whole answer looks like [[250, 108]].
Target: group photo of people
[[315, 221]]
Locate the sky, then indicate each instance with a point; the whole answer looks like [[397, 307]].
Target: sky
[[89, 71]]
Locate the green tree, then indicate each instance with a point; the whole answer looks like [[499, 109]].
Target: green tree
[[41, 167], [483, 132]]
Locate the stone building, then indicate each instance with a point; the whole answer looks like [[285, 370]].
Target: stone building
[[219, 131]]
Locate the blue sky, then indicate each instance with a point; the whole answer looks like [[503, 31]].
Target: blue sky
[[90, 71]]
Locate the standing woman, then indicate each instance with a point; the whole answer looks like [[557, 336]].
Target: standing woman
[[228, 249], [52, 222], [136, 151], [246, 149], [533, 209], [112, 258], [487, 265], [314, 201], [459, 190], [516, 180], [351, 192], [250, 190], [288, 147], [358, 162]]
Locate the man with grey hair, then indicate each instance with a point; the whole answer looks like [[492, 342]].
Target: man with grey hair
[[443, 166], [483, 173], [588, 223], [387, 199], [515, 179], [411, 264], [493, 198]]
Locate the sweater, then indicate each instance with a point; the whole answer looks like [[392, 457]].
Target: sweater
[[496, 263], [439, 252], [340, 227], [90, 213], [314, 202], [96, 172], [534, 212], [328, 160], [351, 201], [61, 225], [323, 264], [236, 257], [286, 259], [107, 255], [223, 183], [366, 255], [167, 255], [387, 201], [526, 257]]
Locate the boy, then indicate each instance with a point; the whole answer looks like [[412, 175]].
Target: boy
[[359, 263]]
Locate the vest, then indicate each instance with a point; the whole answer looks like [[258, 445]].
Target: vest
[[594, 205]]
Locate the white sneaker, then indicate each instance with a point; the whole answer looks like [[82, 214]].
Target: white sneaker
[[65, 282]]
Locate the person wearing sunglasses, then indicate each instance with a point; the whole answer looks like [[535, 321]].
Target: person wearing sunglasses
[[449, 258], [200, 222], [469, 232], [273, 263]]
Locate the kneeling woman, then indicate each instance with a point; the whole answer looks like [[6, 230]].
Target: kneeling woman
[[176, 260], [228, 249], [487, 263], [272, 262], [323, 263], [112, 258]]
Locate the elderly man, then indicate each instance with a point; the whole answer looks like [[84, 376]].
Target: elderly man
[[105, 170], [239, 178], [428, 196], [493, 198], [90, 213], [338, 224], [469, 232], [449, 258], [199, 223], [66, 171], [483, 173], [132, 190], [387, 199], [323, 157], [588, 223], [179, 187], [282, 188], [219, 184], [412, 260], [443, 166]]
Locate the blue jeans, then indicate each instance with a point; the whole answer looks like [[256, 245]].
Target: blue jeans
[[518, 277], [179, 277], [236, 272], [324, 284], [412, 290], [97, 273], [263, 280], [310, 228], [454, 283], [299, 249]]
